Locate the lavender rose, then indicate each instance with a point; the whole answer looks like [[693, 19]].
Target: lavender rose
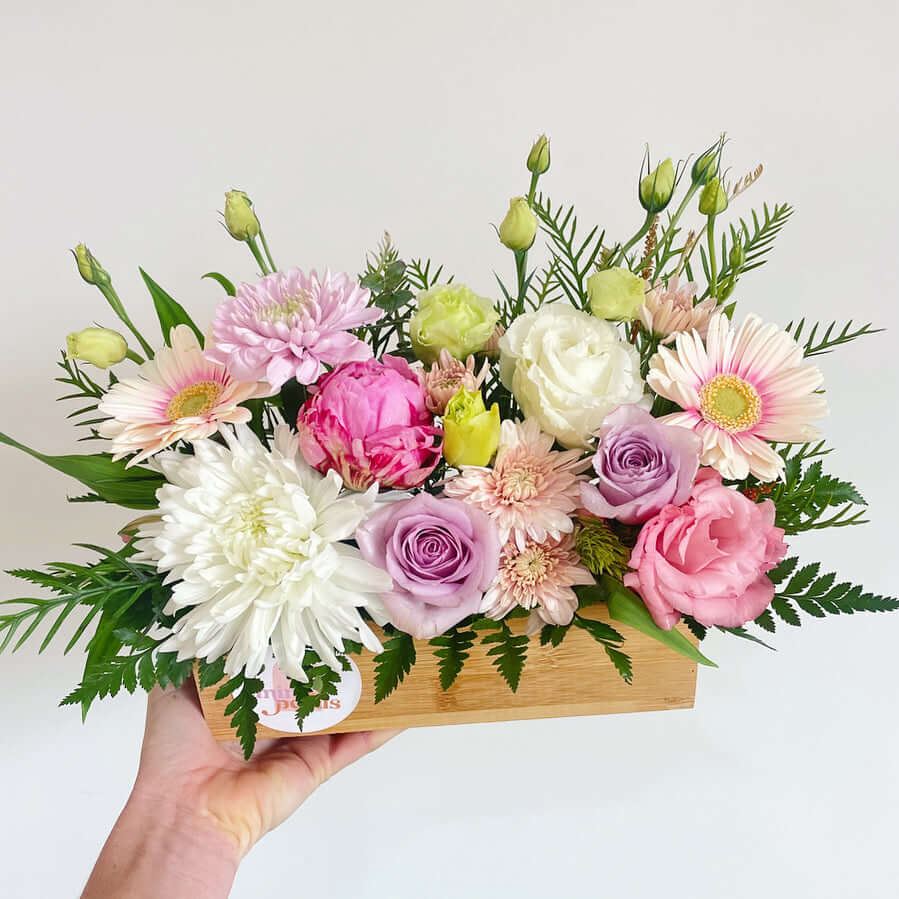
[[442, 555], [643, 466]]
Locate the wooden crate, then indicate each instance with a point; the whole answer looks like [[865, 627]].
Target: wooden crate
[[575, 678]]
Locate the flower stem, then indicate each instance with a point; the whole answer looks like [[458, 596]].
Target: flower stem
[[713, 259], [254, 249], [268, 252], [622, 253], [134, 357], [665, 242], [118, 307]]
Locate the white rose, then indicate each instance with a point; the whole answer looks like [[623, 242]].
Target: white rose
[[568, 370]]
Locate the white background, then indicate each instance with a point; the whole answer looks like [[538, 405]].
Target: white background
[[122, 124]]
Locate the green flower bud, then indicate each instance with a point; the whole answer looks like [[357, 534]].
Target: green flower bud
[[240, 220], [99, 346], [451, 317], [88, 267], [616, 294], [657, 187], [538, 158], [713, 198], [470, 430], [737, 256], [519, 228], [705, 167]]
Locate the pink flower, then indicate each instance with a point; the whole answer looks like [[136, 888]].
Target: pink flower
[[290, 325], [368, 422], [447, 377], [669, 309], [539, 576], [178, 395], [643, 465], [442, 555], [532, 489], [744, 387], [708, 558]]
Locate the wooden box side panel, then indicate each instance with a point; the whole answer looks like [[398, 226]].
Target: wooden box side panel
[[575, 678]]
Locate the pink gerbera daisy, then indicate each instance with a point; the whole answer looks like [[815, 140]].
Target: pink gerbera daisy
[[290, 325], [668, 309], [178, 395], [538, 576], [746, 386], [531, 490]]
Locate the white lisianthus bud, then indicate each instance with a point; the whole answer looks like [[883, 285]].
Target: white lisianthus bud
[[240, 220], [519, 228], [99, 346]]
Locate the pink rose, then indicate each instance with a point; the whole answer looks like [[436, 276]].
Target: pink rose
[[442, 555], [368, 422], [708, 558]]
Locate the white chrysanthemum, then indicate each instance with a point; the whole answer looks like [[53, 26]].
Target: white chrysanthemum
[[251, 540]]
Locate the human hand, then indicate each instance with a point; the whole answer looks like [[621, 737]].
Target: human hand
[[197, 807]]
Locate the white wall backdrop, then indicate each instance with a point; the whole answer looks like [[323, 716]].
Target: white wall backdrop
[[122, 125]]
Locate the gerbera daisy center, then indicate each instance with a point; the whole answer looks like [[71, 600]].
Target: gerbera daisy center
[[197, 399], [731, 403]]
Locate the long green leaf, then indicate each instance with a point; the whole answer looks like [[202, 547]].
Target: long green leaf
[[227, 286], [134, 488], [626, 607], [169, 311]]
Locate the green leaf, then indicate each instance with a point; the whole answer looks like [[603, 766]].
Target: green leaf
[[169, 311], [227, 286], [626, 607], [610, 640], [621, 662], [134, 488], [508, 654], [210, 673], [553, 634], [818, 344], [700, 631], [393, 664], [453, 648], [242, 708], [322, 684]]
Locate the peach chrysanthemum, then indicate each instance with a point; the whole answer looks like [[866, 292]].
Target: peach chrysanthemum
[[446, 378], [539, 576], [531, 491], [178, 395], [745, 387], [669, 309]]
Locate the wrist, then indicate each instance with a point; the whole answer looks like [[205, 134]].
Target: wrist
[[164, 847]]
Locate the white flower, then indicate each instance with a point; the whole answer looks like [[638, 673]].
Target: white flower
[[251, 541], [568, 370]]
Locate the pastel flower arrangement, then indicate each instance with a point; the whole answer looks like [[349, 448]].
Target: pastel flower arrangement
[[344, 462]]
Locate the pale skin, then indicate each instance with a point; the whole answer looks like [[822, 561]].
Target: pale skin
[[197, 807]]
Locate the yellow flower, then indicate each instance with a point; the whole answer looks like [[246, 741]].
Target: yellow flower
[[519, 228], [240, 220], [451, 317], [99, 346], [470, 430], [616, 294]]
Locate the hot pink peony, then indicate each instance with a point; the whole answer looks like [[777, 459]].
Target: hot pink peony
[[368, 421], [708, 558], [290, 325]]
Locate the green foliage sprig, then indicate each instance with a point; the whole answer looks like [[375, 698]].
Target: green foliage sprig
[[393, 664], [452, 650], [817, 344]]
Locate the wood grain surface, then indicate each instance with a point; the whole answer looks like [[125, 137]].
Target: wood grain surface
[[575, 678]]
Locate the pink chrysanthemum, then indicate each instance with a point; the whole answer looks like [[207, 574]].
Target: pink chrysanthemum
[[746, 386], [669, 309], [290, 325], [446, 378], [538, 576], [532, 489], [178, 395]]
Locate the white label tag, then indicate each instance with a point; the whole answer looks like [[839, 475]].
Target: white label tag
[[277, 706]]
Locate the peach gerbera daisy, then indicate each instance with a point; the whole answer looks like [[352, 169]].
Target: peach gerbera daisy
[[538, 576], [178, 395], [531, 491], [745, 387]]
